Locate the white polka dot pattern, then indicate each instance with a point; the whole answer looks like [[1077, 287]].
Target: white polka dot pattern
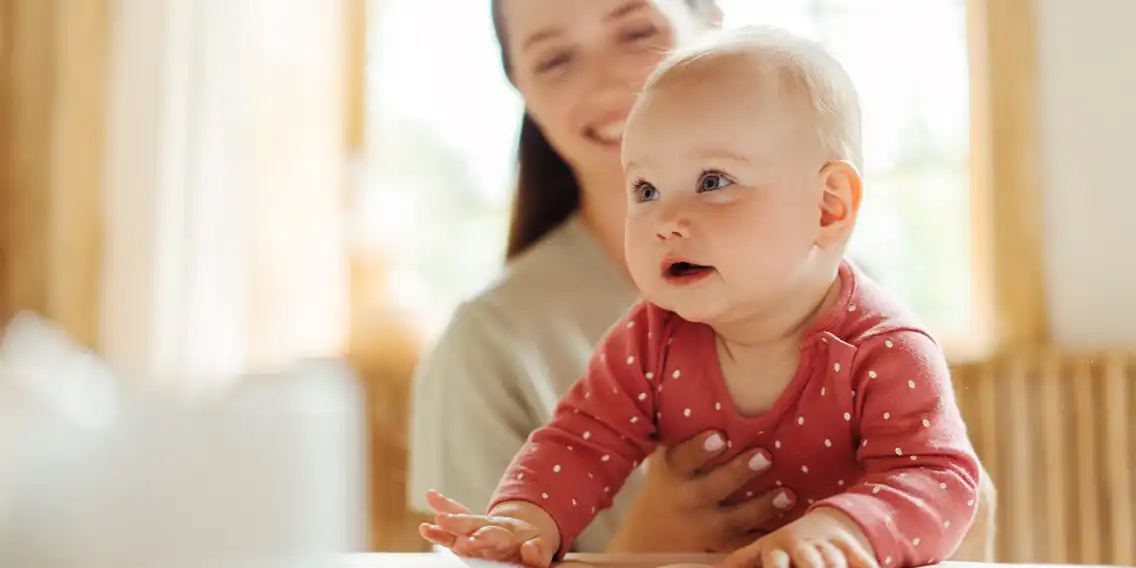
[[905, 436]]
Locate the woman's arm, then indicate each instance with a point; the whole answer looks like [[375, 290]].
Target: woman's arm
[[468, 418]]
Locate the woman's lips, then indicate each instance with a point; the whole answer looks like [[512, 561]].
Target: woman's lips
[[609, 134]]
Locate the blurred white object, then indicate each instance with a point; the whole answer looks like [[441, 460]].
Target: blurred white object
[[42, 362], [50, 391], [268, 473]]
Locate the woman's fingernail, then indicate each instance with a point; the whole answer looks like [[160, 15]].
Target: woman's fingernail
[[760, 461], [784, 500], [714, 443]]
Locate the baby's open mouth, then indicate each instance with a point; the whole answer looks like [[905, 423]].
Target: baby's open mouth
[[683, 272], [683, 268]]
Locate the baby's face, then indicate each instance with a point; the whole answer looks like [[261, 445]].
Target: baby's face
[[725, 193]]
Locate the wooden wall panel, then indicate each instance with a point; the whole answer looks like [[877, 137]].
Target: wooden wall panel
[[1056, 432], [6, 159], [51, 125]]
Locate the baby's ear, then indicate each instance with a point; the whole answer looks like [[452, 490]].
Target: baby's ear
[[839, 204]]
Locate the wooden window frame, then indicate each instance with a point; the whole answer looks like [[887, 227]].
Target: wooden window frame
[[1006, 199], [54, 54]]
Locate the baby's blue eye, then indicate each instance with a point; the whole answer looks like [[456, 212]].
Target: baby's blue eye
[[712, 181], [646, 192]]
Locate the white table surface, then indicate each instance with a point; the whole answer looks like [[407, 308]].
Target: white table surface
[[442, 560]]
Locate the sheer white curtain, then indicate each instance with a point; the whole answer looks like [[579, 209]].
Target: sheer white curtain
[[224, 241]]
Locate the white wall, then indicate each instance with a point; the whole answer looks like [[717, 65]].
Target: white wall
[[1087, 65]]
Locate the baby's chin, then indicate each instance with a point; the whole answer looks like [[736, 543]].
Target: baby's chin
[[692, 309], [699, 315]]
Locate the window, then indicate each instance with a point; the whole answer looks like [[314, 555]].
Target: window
[[442, 164]]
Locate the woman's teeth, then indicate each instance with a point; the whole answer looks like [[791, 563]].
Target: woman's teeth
[[608, 133]]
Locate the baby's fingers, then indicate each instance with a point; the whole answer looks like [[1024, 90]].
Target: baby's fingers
[[855, 554], [443, 504], [437, 535], [805, 555], [536, 553], [774, 558], [465, 547], [748, 556], [833, 557], [495, 543], [462, 525]]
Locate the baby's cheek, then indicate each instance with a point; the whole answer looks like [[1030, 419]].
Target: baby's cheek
[[643, 266]]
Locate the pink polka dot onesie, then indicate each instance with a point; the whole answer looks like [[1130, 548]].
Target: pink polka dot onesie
[[868, 425]]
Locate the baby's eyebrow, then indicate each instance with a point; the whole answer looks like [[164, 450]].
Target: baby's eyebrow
[[725, 155]]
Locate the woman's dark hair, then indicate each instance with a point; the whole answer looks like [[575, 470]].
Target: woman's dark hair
[[547, 190]]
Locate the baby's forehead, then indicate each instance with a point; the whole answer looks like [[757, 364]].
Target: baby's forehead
[[724, 77], [726, 102]]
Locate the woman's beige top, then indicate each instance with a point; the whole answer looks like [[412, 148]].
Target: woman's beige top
[[499, 368]]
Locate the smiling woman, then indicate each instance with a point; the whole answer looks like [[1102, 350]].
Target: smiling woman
[[442, 164]]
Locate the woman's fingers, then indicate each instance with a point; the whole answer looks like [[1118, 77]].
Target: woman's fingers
[[727, 479], [748, 516], [689, 458]]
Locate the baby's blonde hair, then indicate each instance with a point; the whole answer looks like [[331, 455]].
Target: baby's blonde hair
[[802, 66]]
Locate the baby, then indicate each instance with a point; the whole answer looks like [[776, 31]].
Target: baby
[[742, 160]]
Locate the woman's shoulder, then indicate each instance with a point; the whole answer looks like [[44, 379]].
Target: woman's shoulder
[[553, 303], [565, 271]]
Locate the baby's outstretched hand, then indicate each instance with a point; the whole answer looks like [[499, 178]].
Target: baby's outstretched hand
[[515, 532], [822, 538]]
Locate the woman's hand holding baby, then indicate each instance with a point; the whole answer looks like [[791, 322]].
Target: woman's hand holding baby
[[824, 538], [517, 532], [680, 508]]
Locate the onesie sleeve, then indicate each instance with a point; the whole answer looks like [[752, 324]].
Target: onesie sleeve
[[917, 498], [600, 431]]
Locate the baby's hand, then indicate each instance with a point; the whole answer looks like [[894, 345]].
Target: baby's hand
[[823, 538], [515, 532]]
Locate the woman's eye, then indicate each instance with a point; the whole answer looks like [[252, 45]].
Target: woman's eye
[[646, 192], [553, 63], [711, 182], [640, 34]]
